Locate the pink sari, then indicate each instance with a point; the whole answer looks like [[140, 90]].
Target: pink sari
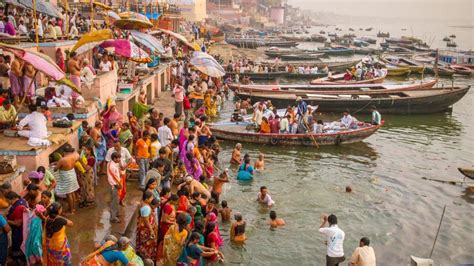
[[111, 117], [213, 218], [29, 86]]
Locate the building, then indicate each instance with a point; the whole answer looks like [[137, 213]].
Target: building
[[224, 9], [192, 10]]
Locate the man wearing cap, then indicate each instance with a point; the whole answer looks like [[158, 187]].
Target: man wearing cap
[[7, 114]]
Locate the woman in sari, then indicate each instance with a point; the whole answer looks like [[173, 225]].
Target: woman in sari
[[183, 137], [174, 241], [134, 127], [167, 217], [34, 237], [208, 104], [129, 252], [86, 179], [57, 244], [146, 243], [194, 251], [107, 254], [126, 137], [211, 242], [212, 218], [60, 59], [15, 220], [111, 115], [183, 201], [245, 172], [193, 167]]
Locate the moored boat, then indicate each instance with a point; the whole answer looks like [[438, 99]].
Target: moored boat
[[462, 70], [301, 57], [467, 171], [339, 79], [415, 67], [404, 102], [338, 50], [239, 132], [332, 89], [280, 43], [395, 71]]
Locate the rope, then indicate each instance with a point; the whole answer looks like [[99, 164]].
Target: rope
[[363, 107]]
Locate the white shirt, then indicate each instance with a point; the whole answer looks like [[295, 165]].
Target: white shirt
[[40, 28], [125, 156], [347, 120], [37, 124], [86, 75], [258, 117], [165, 135], [335, 240], [267, 199], [284, 125], [113, 173], [22, 29], [107, 66]]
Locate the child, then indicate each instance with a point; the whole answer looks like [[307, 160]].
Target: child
[[225, 212], [274, 221], [260, 163]]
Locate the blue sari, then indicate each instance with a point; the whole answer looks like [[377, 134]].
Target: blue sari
[[245, 172]]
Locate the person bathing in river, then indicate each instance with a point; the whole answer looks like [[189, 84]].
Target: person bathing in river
[[245, 171], [264, 198], [225, 212], [237, 230], [235, 159], [260, 162], [274, 221]]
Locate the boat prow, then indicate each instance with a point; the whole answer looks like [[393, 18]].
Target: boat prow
[[467, 171]]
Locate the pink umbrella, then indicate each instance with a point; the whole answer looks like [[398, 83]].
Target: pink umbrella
[[40, 62], [127, 49]]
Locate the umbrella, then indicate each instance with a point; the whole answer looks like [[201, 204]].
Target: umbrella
[[91, 40], [110, 17], [207, 64], [41, 62], [133, 21], [106, 7], [180, 37], [127, 49], [41, 6], [148, 41]]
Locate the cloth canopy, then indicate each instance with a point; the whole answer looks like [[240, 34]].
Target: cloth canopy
[[127, 49], [91, 40], [41, 6], [207, 64], [148, 41]]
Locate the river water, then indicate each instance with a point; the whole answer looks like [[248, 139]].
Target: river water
[[391, 204]]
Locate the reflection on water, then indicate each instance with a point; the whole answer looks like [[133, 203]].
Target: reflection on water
[[391, 203]]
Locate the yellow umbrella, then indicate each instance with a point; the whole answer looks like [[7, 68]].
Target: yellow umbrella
[[91, 40], [133, 21], [106, 7]]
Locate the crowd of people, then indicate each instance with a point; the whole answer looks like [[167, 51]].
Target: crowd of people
[[299, 119], [364, 72]]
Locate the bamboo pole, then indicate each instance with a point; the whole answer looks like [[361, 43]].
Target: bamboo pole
[[35, 21], [66, 7], [92, 15]]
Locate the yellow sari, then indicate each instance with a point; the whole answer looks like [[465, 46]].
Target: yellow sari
[[173, 245]]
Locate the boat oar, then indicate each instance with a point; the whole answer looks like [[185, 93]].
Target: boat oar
[[312, 136], [452, 182], [437, 233]]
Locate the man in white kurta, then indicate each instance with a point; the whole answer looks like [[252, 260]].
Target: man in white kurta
[[36, 123]]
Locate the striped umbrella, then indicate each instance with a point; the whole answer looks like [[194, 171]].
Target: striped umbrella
[[207, 64], [148, 41]]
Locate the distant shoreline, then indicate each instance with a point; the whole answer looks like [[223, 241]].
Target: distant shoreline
[[463, 26]]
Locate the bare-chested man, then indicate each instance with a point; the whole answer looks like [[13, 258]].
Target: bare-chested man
[[67, 181], [236, 154], [16, 71], [219, 182], [195, 186], [74, 69], [100, 147], [29, 87]]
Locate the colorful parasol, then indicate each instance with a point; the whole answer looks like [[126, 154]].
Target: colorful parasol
[[110, 17], [127, 49], [148, 41], [133, 21], [42, 63], [181, 38], [207, 64], [91, 40], [106, 7]]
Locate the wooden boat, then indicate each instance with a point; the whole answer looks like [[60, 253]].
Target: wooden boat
[[360, 43], [462, 70], [442, 71], [332, 89], [333, 66], [395, 71], [339, 79], [415, 67], [260, 76], [446, 39], [383, 34], [467, 172], [318, 38], [369, 40], [334, 51], [301, 57], [369, 29], [250, 43], [451, 43], [238, 131], [322, 32], [280, 43], [366, 50], [403, 102]]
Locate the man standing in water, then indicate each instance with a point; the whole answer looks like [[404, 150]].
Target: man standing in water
[[67, 180], [334, 240]]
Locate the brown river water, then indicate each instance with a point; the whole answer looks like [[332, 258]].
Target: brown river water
[[391, 204]]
